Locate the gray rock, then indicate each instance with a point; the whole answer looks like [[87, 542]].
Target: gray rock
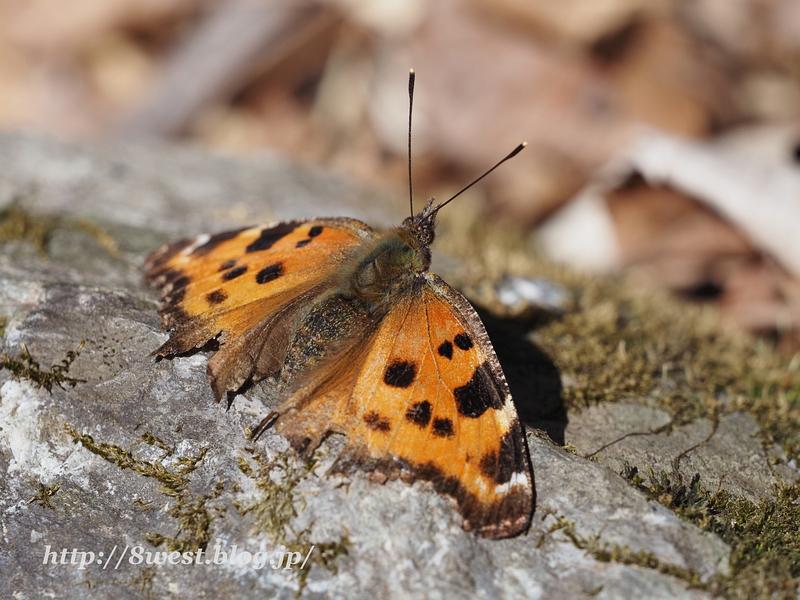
[[178, 465], [729, 455]]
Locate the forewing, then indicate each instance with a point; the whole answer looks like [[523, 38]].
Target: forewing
[[248, 288]]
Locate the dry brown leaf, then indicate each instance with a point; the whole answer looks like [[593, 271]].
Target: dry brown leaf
[[55, 26], [482, 89], [652, 222], [580, 21], [662, 82], [484, 86]]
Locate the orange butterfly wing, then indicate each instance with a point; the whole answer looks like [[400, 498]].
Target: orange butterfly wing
[[424, 397], [248, 289]]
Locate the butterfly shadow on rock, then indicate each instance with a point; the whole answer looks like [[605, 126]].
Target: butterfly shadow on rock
[[532, 377]]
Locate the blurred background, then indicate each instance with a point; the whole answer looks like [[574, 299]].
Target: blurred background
[[664, 135]]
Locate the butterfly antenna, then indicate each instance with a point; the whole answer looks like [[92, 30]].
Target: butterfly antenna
[[411, 78], [512, 154]]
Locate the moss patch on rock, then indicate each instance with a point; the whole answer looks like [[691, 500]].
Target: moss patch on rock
[[604, 552], [764, 536], [43, 494], [276, 479], [273, 511], [26, 368], [18, 224], [192, 511]]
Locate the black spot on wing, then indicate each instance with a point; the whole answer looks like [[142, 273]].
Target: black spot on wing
[[463, 341], [227, 264], [270, 273], [419, 413], [500, 466], [234, 273], [376, 422], [488, 464], [446, 349], [216, 297], [214, 241], [443, 428], [270, 236], [479, 394], [180, 282], [312, 233], [400, 374]]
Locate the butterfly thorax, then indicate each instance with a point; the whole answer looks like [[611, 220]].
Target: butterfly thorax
[[387, 268]]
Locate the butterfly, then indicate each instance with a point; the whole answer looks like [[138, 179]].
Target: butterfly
[[367, 342]]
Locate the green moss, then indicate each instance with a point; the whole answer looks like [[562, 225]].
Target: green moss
[[142, 581], [688, 500], [276, 480], [100, 235], [649, 346], [764, 536], [618, 340], [328, 552], [25, 367], [3, 323], [324, 555], [605, 552], [43, 494], [17, 224], [152, 440], [192, 511], [145, 506]]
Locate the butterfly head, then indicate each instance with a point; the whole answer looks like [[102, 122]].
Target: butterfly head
[[419, 231], [423, 224]]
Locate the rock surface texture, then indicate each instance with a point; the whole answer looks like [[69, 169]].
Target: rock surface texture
[[137, 456]]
